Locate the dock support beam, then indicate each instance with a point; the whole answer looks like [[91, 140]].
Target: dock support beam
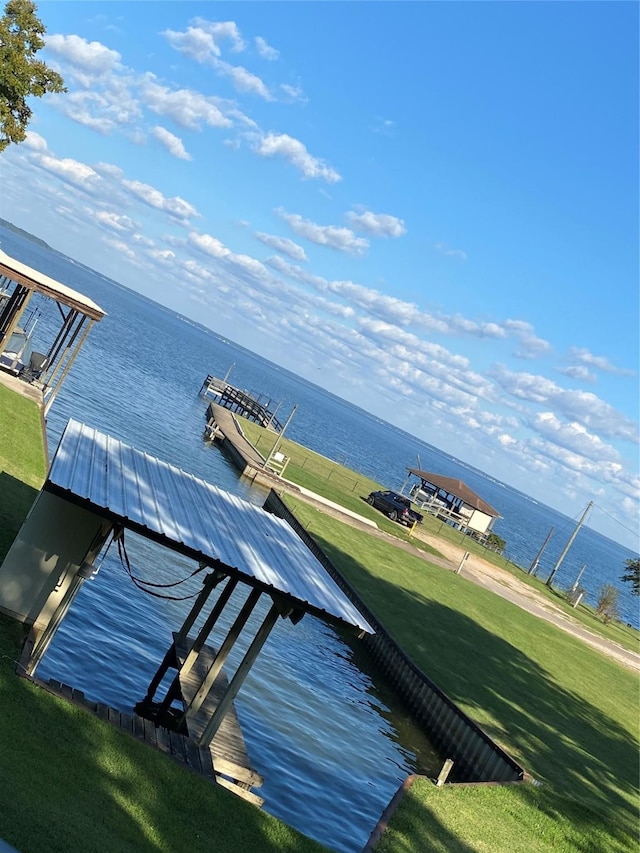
[[220, 658], [237, 681]]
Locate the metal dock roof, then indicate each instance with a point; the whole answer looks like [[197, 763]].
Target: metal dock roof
[[194, 517]]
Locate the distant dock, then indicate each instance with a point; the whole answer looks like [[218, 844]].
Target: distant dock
[[241, 402]]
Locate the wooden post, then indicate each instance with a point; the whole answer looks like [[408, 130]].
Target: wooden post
[[209, 622], [208, 585], [174, 689], [444, 773], [236, 682], [220, 658], [462, 561]]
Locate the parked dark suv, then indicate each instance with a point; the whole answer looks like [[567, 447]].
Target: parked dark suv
[[396, 506]]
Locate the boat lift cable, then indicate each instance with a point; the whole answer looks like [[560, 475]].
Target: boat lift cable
[[143, 584]]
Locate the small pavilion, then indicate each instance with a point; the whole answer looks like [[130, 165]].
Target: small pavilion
[[453, 501], [78, 313]]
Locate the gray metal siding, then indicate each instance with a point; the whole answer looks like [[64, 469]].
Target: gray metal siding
[[145, 491]]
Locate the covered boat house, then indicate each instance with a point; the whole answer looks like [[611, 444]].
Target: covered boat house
[[452, 501], [98, 488], [77, 313]]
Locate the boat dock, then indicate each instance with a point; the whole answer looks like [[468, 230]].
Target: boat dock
[[241, 402], [223, 427]]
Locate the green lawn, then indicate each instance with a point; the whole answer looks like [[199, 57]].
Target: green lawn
[[22, 462], [566, 712], [71, 782]]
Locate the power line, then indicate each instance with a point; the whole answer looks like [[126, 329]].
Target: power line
[[613, 518]]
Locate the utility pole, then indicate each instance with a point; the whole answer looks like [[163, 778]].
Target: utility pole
[[275, 447], [577, 580], [533, 568], [569, 544]]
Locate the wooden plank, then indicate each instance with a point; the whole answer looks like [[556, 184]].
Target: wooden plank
[[176, 742], [162, 740], [150, 732], [249, 796], [139, 727], [193, 756]]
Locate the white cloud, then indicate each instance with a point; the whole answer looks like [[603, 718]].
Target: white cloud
[[294, 151], [578, 371], [531, 346], [242, 79], [581, 406], [121, 248], [377, 224], [172, 143], [574, 437], [202, 40], [175, 207], [90, 60], [35, 142], [68, 169], [341, 239], [202, 43], [209, 245], [265, 50], [194, 42], [583, 356], [186, 107], [294, 93], [115, 221], [449, 252], [283, 245], [223, 30]]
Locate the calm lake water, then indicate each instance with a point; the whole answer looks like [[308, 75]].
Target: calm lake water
[[324, 736]]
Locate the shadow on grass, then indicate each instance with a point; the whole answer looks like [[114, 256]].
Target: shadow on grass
[[16, 499], [586, 759], [71, 782]]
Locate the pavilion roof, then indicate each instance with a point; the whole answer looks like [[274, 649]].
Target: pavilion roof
[[37, 281], [456, 488]]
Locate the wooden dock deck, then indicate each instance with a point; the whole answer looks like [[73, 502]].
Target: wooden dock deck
[[228, 749], [241, 402], [222, 425]]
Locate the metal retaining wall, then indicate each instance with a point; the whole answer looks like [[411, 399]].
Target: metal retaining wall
[[476, 757]]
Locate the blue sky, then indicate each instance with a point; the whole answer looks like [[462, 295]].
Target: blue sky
[[430, 209]]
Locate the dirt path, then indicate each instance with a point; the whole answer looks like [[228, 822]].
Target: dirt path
[[507, 586]]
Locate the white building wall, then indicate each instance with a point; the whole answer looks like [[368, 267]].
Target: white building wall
[[55, 539]]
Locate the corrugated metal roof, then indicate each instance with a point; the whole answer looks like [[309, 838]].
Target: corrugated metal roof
[[458, 489], [38, 281], [150, 495]]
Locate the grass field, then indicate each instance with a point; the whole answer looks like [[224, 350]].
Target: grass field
[[22, 462], [566, 712]]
